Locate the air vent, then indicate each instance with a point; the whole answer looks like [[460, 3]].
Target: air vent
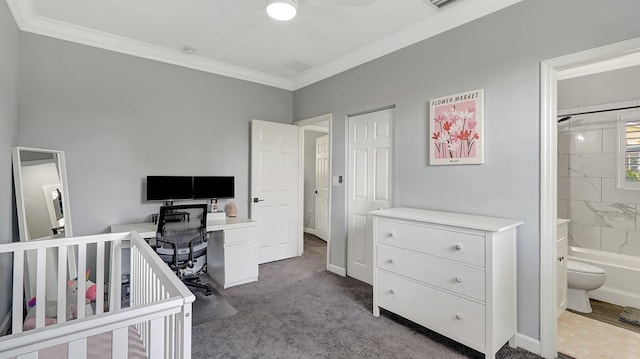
[[295, 65], [439, 3]]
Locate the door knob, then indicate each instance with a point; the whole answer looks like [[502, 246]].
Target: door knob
[[256, 200]]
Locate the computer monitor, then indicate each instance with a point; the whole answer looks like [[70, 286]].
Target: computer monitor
[[209, 187], [164, 188]]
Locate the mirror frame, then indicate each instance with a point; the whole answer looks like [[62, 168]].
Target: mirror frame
[[17, 178]]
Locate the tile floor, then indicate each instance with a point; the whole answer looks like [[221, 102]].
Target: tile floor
[[584, 338]]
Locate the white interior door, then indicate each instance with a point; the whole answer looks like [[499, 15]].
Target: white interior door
[[322, 187], [369, 186], [275, 189]]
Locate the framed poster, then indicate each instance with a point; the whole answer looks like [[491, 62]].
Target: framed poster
[[456, 129]]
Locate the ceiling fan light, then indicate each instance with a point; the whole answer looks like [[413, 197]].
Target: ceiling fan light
[[282, 10]]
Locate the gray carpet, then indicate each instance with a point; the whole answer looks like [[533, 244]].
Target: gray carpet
[[209, 307], [299, 310]]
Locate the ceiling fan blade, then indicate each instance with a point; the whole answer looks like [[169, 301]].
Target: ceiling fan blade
[[241, 28], [343, 3]]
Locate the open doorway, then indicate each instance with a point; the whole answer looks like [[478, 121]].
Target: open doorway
[[315, 179], [606, 58]]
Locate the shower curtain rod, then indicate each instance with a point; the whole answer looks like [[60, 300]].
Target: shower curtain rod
[[598, 111]]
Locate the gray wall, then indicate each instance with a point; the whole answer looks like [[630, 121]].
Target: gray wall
[[8, 135], [500, 53], [120, 118], [606, 87]]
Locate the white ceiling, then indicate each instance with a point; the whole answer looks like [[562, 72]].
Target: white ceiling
[[236, 38]]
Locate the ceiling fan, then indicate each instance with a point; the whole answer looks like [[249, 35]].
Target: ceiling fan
[[285, 10]]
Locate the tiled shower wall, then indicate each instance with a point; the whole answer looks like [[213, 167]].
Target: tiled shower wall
[[602, 216]]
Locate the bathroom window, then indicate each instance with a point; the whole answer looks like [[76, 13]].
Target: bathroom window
[[629, 151]]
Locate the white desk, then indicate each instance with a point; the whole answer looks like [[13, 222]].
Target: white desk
[[232, 254]]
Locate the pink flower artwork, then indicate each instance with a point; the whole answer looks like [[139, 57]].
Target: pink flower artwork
[[455, 127]]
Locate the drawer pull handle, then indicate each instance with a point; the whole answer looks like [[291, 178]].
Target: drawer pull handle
[[459, 316], [459, 279], [391, 291], [391, 261], [458, 247], [391, 234]]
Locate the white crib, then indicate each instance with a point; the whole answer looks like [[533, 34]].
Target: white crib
[[156, 324]]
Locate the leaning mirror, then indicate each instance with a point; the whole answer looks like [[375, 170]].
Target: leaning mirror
[[42, 200], [42, 203]]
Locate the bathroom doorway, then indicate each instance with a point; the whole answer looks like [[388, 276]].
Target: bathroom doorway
[[601, 205], [607, 58]]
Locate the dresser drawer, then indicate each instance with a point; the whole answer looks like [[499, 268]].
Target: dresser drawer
[[441, 273], [445, 313], [463, 247], [237, 235]]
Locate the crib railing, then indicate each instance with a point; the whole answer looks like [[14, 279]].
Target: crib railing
[[160, 304]]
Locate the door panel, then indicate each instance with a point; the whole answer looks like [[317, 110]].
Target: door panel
[[322, 187], [360, 172], [360, 240], [382, 162], [274, 188], [369, 186]]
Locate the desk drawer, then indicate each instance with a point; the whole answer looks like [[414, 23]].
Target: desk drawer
[[431, 270], [463, 247], [237, 235], [445, 313]]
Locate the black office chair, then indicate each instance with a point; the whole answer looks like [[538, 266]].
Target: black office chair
[[181, 241]]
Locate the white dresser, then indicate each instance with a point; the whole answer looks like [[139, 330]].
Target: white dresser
[[452, 273]]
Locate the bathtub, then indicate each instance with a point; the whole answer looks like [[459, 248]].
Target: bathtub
[[623, 275]]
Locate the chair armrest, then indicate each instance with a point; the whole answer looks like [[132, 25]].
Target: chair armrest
[[173, 245]]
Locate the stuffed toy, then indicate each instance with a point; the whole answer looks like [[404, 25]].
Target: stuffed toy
[[72, 294], [51, 306]]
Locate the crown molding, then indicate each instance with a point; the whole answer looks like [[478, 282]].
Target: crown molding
[[28, 21], [455, 15]]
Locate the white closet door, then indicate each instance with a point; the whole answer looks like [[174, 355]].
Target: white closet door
[[369, 186], [275, 189], [322, 187]]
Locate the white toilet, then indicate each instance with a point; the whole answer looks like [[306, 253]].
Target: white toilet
[[581, 278]]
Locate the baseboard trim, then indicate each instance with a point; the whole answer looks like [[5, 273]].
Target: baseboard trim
[[622, 298], [310, 231], [313, 231], [337, 270], [529, 344], [6, 324]]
